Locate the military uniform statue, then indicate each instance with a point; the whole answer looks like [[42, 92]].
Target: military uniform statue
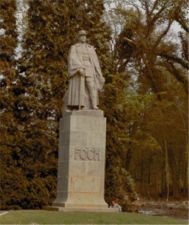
[[85, 75], [82, 135]]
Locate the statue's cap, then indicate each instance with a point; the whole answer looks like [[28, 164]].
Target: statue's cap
[[82, 33]]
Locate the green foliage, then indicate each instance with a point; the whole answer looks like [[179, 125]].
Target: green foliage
[[8, 171], [119, 184], [145, 42], [151, 60]]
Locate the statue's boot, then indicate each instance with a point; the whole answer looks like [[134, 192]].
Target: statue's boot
[[94, 99], [92, 92]]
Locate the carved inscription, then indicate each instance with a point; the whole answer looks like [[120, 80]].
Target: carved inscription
[[92, 154]]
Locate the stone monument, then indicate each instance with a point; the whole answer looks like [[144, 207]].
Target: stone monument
[[82, 136]]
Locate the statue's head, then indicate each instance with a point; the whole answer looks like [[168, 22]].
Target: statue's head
[[82, 36]]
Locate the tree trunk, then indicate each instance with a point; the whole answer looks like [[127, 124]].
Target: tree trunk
[[166, 170]]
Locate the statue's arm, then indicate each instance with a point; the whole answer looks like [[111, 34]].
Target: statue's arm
[[74, 65], [100, 77], [97, 65]]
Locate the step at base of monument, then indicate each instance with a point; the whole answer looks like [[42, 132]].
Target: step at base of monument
[[81, 209]]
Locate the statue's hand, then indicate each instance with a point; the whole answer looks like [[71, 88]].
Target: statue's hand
[[101, 90], [82, 71], [103, 80]]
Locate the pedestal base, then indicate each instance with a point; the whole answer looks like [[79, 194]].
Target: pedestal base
[[81, 162], [82, 209]]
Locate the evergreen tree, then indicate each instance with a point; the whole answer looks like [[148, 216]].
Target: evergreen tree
[[40, 87], [10, 186], [119, 183]]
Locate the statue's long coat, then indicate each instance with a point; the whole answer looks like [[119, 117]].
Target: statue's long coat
[[76, 90]]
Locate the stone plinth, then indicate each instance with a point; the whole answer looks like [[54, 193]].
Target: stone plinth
[[81, 164]]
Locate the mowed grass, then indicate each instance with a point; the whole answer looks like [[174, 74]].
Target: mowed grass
[[53, 217]]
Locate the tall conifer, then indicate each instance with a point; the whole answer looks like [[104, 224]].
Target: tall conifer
[[52, 28], [11, 182]]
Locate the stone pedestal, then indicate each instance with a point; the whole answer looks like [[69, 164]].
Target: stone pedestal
[[81, 162]]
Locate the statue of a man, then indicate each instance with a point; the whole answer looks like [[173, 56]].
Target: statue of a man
[[85, 75]]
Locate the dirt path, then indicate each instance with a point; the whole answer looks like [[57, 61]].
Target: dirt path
[[173, 209], [3, 213]]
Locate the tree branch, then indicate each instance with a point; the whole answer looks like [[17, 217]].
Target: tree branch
[[156, 16], [179, 76], [154, 6], [176, 59], [182, 22], [163, 33]]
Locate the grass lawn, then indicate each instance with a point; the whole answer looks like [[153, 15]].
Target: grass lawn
[[53, 217]]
